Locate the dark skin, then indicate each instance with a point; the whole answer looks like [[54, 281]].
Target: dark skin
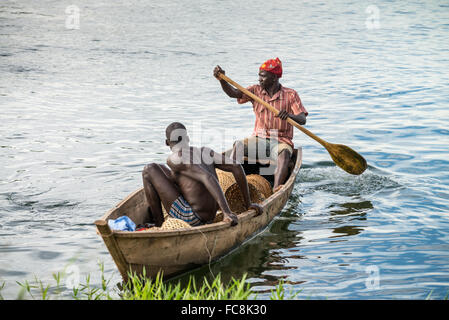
[[270, 83], [188, 174]]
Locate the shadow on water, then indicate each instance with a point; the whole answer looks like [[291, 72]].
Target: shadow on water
[[358, 208], [252, 258]]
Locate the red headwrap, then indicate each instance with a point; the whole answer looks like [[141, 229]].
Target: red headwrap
[[273, 66]]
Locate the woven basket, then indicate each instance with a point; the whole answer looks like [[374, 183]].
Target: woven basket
[[235, 199], [172, 224], [164, 212], [226, 179], [258, 186], [260, 183], [259, 190], [218, 216]]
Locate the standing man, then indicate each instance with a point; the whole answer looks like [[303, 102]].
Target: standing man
[[270, 132]]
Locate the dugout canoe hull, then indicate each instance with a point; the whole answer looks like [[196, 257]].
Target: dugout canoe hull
[[177, 251]]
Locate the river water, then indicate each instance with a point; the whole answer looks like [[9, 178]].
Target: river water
[[87, 89]]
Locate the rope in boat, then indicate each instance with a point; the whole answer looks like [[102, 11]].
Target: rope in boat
[[208, 252]]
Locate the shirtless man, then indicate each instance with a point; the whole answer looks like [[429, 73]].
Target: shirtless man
[[190, 191]]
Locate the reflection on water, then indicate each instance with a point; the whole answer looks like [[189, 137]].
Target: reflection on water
[[318, 243], [279, 251], [358, 208]]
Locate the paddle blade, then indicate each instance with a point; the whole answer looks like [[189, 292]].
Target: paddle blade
[[347, 159]]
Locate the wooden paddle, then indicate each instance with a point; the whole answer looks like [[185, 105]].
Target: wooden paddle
[[343, 156]]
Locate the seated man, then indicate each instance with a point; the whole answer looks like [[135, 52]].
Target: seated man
[[190, 191]]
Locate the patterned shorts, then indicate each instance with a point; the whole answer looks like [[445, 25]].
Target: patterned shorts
[[181, 209]]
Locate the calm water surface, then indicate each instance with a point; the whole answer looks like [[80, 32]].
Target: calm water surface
[[84, 109]]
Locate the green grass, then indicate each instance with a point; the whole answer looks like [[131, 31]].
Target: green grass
[[429, 296], [143, 288]]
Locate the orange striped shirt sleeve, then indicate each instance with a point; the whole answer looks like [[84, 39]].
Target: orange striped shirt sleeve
[[297, 106], [245, 98]]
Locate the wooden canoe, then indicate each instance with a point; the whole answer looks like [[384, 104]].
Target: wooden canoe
[[177, 251]]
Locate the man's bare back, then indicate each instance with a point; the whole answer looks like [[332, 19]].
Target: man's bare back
[[194, 191], [190, 190]]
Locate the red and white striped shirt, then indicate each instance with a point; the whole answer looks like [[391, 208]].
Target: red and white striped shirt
[[267, 124]]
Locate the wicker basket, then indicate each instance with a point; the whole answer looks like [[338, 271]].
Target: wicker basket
[[218, 216], [259, 190], [226, 179], [260, 183], [235, 199], [164, 212], [172, 224]]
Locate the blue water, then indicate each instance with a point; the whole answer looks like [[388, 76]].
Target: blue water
[[84, 107]]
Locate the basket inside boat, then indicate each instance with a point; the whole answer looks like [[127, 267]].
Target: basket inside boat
[[259, 190], [172, 224], [261, 184], [235, 199]]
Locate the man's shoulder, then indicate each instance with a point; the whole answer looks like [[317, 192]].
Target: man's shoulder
[[191, 156], [289, 90], [254, 88], [174, 159], [289, 93]]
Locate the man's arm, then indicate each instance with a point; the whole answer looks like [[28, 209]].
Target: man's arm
[[168, 173], [299, 118], [298, 112], [227, 88], [240, 178], [211, 183]]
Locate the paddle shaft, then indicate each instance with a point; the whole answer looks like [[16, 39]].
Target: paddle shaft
[[272, 109], [342, 155]]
